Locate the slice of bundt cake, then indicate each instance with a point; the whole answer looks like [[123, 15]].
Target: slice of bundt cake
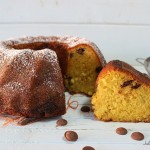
[[122, 94], [31, 83]]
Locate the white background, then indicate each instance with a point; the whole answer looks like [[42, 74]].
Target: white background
[[120, 28]]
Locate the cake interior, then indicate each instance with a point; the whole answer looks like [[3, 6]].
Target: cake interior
[[82, 65], [119, 97], [83, 69]]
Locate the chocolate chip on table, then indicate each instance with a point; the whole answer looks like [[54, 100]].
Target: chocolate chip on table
[[121, 131], [85, 109], [126, 83], [61, 122], [71, 136], [88, 148], [137, 136], [80, 51]]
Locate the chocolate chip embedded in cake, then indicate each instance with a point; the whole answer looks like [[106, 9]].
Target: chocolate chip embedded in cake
[[136, 86], [68, 80], [98, 69], [80, 51], [126, 83], [71, 55]]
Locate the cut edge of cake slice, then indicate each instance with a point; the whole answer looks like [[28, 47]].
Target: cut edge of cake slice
[[122, 94]]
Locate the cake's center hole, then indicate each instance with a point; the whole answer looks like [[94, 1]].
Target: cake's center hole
[[33, 46]]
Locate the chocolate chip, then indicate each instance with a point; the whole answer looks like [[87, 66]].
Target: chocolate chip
[[80, 51], [69, 80], [98, 69], [88, 148], [137, 136], [61, 122], [85, 109], [71, 136], [136, 86], [121, 131], [126, 83], [24, 121], [71, 55]]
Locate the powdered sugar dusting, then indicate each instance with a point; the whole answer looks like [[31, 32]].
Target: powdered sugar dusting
[[22, 60], [70, 41], [14, 86], [52, 72], [46, 54]]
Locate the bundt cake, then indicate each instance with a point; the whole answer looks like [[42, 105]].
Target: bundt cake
[[122, 94], [31, 81]]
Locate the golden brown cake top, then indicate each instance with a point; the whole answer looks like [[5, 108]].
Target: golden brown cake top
[[124, 67]]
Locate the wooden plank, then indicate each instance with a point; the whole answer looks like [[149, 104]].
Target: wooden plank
[[70, 11], [115, 41]]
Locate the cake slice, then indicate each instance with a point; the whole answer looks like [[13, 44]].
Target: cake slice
[[122, 94]]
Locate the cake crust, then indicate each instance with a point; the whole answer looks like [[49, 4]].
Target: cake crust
[[124, 67]]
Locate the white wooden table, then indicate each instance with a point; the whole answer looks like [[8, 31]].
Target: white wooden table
[[44, 135]]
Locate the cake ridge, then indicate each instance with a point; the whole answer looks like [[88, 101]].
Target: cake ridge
[[123, 66]]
